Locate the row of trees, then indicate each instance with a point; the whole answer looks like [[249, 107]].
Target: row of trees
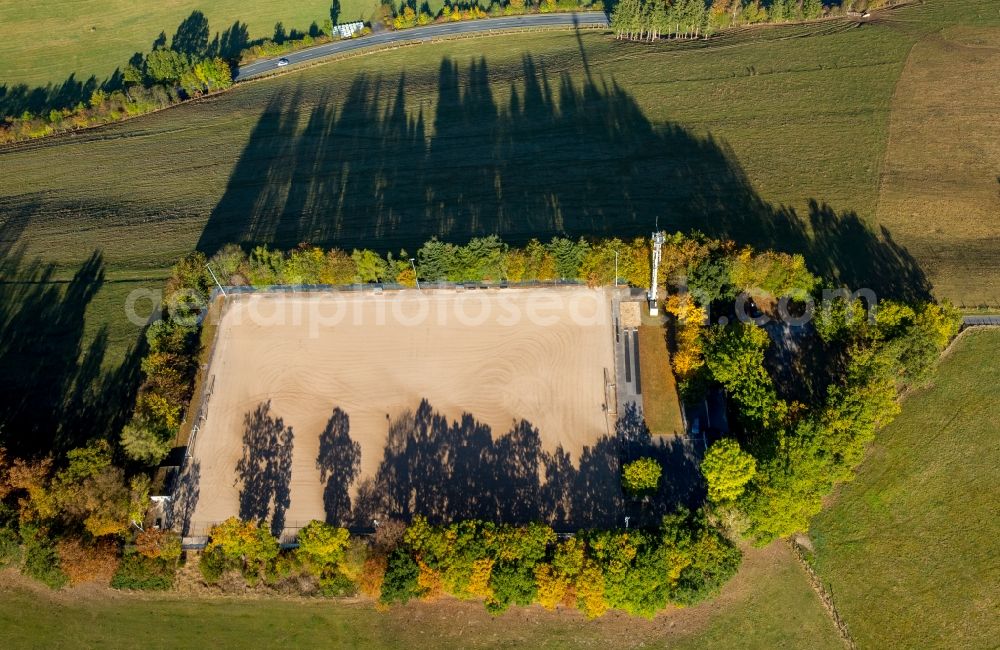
[[409, 14], [482, 259], [169, 366], [636, 571], [640, 572], [654, 19]]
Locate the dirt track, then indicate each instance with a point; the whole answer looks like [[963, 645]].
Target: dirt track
[[499, 355]]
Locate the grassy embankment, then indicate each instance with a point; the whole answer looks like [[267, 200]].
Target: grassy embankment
[[769, 603], [909, 549]]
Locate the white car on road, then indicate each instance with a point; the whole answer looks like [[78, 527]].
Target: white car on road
[[282, 63]]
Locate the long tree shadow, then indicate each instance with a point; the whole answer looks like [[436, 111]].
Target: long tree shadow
[[448, 471], [55, 392], [264, 471], [339, 463], [15, 99], [558, 157]]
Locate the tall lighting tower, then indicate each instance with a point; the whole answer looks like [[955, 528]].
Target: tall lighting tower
[[657, 241]]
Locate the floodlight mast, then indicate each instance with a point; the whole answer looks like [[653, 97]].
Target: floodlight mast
[[657, 241], [217, 283]]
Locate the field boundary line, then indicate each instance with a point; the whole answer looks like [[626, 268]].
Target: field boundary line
[[825, 597], [883, 163]]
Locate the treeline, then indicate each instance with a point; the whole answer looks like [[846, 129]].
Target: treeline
[[409, 14], [482, 259], [169, 367], [683, 561], [650, 20], [190, 67], [786, 455]]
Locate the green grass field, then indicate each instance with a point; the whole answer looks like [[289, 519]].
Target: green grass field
[[909, 549], [769, 603], [45, 42]]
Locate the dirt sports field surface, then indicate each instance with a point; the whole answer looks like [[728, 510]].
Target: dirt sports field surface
[[325, 403]]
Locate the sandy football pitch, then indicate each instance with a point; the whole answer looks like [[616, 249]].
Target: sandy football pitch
[[430, 388]]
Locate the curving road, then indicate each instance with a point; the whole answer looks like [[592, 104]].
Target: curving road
[[428, 33]]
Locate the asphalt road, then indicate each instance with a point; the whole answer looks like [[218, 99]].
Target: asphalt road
[[419, 34], [984, 319]]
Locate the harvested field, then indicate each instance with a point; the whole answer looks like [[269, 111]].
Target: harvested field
[[351, 406], [939, 184]]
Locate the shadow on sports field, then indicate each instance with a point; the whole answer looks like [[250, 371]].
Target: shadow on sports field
[[264, 471], [454, 470]]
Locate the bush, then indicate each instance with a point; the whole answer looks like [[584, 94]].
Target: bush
[[401, 578], [641, 476], [10, 548], [245, 545], [284, 566], [41, 561], [336, 584], [322, 546], [142, 573], [88, 562], [158, 543], [212, 565]]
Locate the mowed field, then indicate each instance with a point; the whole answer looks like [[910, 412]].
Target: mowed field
[[525, 135], [451, 404], [768, 604], [909, 549], [940, 191], [46, 42]]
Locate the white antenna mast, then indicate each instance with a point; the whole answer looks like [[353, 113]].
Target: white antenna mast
[[657, 241]]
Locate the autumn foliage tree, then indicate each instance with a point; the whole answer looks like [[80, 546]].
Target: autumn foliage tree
[[322, 544], [88, 561], [641, 476], [243, 545], [727, 469], [158, 543]]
